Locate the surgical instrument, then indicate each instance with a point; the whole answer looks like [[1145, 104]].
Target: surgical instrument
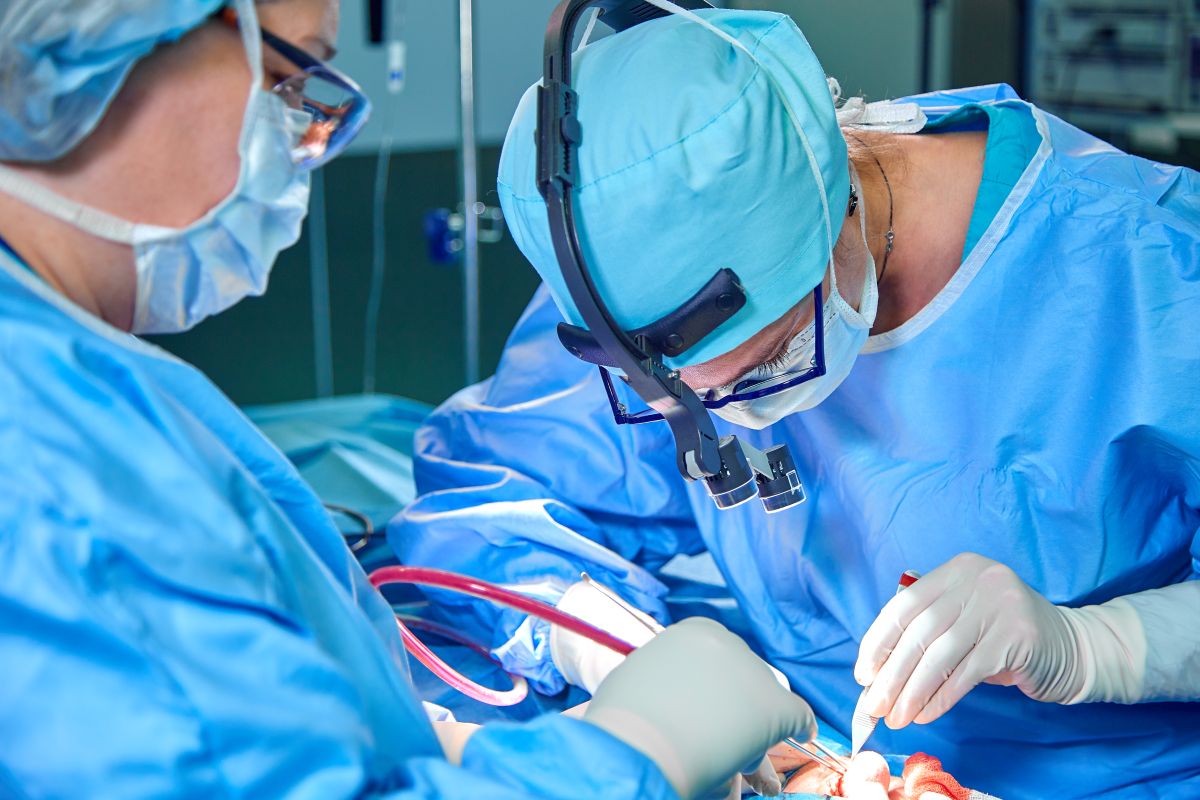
[[862, 724], [816, 756], [637, 614]]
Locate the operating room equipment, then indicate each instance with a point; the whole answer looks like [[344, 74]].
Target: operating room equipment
[[423, 576], [635, 613], [387, 25], [732, 470], [318, 259], [442, 579], [469, 182], [443, 229], [818, 753], [580, 661], [358, 539], [862, 724], [453, 678], [1109, 57]]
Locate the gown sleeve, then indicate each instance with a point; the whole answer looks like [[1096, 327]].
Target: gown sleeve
[[145, 654], [526, 480]]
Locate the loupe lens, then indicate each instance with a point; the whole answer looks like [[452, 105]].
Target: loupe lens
[[785, 499], [784, 490], [726, 499], [735, 485]]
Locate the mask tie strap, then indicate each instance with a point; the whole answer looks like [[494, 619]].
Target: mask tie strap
[[883, 116], [92, 220]]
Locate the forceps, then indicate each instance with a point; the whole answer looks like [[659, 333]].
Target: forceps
[[826, 757]]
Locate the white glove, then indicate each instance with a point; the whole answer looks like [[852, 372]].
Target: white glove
[[972, 620], [581, 661], [584, 663], [700, 704]]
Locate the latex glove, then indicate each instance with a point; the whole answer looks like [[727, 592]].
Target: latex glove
[[972, 620], [581, 661], [700, 704], [584, 663], [764, 780]]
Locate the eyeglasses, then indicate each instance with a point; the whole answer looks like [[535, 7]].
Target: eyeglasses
[[336, 104], [746, 389]]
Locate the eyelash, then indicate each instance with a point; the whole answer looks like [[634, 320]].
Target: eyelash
[[775, 363]]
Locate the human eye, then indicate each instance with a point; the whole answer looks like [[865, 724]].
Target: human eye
[[775, 364]]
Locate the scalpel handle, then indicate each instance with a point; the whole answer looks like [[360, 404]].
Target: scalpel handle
[[862, 724]]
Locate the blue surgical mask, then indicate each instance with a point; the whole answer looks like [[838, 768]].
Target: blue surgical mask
[[846, 330], [185, 275]]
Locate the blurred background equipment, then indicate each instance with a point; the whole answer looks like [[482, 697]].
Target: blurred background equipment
[[1110, 55], [1128, 70], [398, 290]]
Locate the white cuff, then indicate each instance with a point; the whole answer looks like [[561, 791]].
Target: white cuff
[[584, 663], [581, 661], [1110, 654], [1170, 620]]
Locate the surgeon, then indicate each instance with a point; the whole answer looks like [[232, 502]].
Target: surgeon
[[178, 615], [1010, 312]]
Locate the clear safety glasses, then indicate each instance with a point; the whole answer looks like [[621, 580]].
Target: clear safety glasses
[[745, 389], [336, 104]]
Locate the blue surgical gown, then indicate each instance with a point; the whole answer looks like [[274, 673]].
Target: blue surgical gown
[[180, 618], [1043, 410]]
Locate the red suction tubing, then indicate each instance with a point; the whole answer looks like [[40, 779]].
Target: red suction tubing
[[442, 579]]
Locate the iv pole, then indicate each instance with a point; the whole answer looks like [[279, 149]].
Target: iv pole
[[469, 179]]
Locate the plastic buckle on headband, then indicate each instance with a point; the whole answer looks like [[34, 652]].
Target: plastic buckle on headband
[[672, 335]]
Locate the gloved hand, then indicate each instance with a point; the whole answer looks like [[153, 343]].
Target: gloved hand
[[584, 663], [581, 661], [698, 703], [973, 620]]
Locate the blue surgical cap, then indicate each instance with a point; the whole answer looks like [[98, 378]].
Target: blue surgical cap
[[691, 163], [63, 61]]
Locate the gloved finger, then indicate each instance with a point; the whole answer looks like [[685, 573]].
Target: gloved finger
[[795, 718], [965, 677], [894, 674], [936, 666], [764, 780], [885, 632]]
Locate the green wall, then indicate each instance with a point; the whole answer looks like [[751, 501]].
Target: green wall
[[261, 351]]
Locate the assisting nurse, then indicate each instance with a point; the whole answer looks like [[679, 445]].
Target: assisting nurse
[[1011, 315], [179, 616]]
